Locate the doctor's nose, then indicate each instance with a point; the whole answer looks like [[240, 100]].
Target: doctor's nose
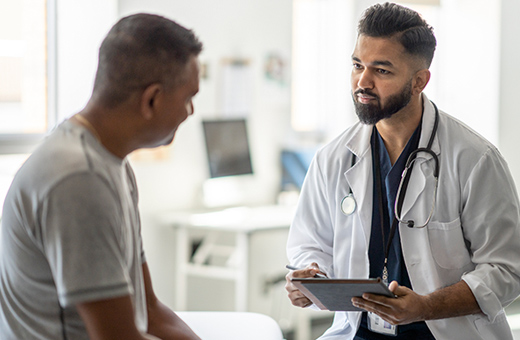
[[364, 80]]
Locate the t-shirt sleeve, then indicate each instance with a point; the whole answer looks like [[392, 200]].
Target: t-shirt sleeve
[[135, 198], [84, 240]]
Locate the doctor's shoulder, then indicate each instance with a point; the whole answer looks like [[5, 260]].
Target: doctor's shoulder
[[462, 149], [331, 161], [462, 136], [338, 149]]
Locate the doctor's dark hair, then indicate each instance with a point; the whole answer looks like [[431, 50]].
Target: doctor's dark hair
[[390, 20], [140, 50]]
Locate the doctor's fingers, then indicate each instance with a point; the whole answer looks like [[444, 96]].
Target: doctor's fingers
[[383, 311], [302, 273], [289, 286], [298, 299], [391, 315], [397, 311], [308, 271]]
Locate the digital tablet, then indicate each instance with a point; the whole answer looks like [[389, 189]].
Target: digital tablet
[[336, 294]]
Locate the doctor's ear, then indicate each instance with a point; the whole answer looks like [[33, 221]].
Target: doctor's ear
[[421, 79], [149, 100]]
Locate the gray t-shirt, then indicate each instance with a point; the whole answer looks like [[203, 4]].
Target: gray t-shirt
[[70, 234]]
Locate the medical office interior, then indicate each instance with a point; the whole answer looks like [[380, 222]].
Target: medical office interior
[[274, 87]]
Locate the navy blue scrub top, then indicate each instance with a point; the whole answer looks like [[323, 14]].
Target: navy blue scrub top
[[390, 179]]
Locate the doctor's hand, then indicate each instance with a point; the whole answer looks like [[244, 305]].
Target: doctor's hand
[[406, 308], [297, 298]]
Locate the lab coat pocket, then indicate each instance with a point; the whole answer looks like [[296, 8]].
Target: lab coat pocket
[[499, 329], [447, 244]]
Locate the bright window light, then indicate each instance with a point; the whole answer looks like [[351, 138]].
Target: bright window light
[[23, 64], [321, 65]]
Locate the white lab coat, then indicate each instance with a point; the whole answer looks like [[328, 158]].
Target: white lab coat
[[474, 233]]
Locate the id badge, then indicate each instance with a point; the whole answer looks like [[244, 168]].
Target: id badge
[[378, 325]]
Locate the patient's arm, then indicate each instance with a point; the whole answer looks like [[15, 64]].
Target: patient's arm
[[110, 319], [162, 321]]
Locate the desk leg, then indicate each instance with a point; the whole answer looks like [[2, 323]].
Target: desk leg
[[303, 328], [242, 249], [181, 270]]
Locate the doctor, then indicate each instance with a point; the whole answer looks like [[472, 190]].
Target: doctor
[[450, 246]]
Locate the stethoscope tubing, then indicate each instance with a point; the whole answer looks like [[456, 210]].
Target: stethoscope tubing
[[348, 203], [407, 172]]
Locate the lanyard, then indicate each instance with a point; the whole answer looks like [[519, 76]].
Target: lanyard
[[379, 187]]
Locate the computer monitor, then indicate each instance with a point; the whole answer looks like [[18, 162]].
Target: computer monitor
[[227, 147], [229, 163]]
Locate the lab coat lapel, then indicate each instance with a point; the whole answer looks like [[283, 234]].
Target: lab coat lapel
[[418, 198], [359, 177]]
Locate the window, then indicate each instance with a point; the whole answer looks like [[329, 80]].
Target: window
[[9, 164], [323, 33], [25, 89]]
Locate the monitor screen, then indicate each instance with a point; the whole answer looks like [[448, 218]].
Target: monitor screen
[[227, 147]]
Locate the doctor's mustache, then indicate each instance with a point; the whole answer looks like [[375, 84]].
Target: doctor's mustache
[[367, 92]]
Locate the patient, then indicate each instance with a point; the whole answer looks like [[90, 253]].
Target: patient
[[72, 264]]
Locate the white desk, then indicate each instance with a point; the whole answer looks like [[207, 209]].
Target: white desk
[[242, 221]]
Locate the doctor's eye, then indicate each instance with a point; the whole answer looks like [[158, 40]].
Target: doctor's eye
[[357, 66]]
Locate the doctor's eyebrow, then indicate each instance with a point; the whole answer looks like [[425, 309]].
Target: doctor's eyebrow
[[375, 63]]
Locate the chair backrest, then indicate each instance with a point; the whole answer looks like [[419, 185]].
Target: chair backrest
[[232, 325]]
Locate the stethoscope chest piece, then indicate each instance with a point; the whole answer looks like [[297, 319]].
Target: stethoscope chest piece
[[348, 204]]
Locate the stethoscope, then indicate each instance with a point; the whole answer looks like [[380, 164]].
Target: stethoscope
[[348, 203]]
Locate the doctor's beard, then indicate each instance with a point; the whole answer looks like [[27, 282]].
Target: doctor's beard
[[372, 113]]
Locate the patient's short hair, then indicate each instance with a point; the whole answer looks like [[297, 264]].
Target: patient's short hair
[[140, 50], [390, 20]]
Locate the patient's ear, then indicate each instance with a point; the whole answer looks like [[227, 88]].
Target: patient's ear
[[149, 100]]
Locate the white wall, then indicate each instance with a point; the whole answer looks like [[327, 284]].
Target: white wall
[[80, 28], [509, 70], [467, 86]]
